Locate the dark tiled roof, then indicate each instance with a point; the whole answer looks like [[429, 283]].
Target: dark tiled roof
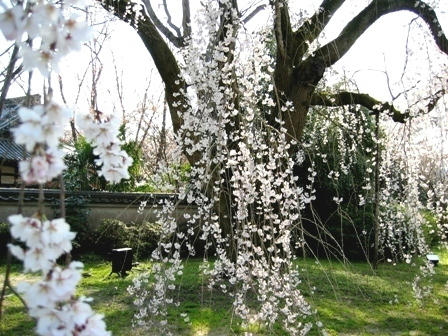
[[10, 118], [9, 150]]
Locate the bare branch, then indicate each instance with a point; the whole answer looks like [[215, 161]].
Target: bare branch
[[170, 23], [176, 40], [72, 120], [186, 18], [61, 89], [253, 13], [163, 57], [334, 50], [8, 49], [143, 108], [10, 75], [282, 26], [119, 87], [432, 101], [311, 29]]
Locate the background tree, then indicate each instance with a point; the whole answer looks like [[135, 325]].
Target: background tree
[[242, 156], [300, 61], [298, 70]]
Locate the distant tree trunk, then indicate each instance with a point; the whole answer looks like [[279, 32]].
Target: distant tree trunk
[[161, 152], [9, 77]]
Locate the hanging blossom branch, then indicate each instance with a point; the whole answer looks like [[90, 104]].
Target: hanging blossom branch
[[51, 300]]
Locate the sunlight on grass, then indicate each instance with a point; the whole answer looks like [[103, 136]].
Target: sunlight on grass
[[349, 299], [200, 329]]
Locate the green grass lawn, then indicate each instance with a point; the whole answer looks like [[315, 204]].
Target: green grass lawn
[[349, 299]]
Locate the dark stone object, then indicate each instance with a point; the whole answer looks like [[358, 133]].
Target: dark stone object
[[433, 258], [121, 261]]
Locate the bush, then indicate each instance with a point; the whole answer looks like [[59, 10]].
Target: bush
[[113, 233], [430, 229], [110, 234], [143, 238]]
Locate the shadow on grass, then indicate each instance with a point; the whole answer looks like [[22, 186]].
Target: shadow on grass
[[349, 300]]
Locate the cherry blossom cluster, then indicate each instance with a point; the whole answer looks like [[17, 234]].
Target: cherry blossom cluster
[[40, 129], [249, 200], [249, 169], [44, 22], [401, 221], [44, 34], [104, 135], [51, 300]]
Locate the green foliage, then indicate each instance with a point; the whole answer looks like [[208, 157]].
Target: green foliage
[[81, 172], [113, 233], [169, 179], [110, 233], [143, 238], [430, 229], [135, 170]]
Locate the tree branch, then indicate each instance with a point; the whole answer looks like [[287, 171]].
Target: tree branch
[[170, 23], [311, 29], [10, 75], [352, 98], [186, 18], [162, 56], [334, 50], [282, 27], [253, 13], [176, 40]]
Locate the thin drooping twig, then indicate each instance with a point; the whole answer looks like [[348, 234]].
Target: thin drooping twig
[[119, 87], [377, 193]]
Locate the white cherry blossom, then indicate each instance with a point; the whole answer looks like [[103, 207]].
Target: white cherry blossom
[[11, 23]]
